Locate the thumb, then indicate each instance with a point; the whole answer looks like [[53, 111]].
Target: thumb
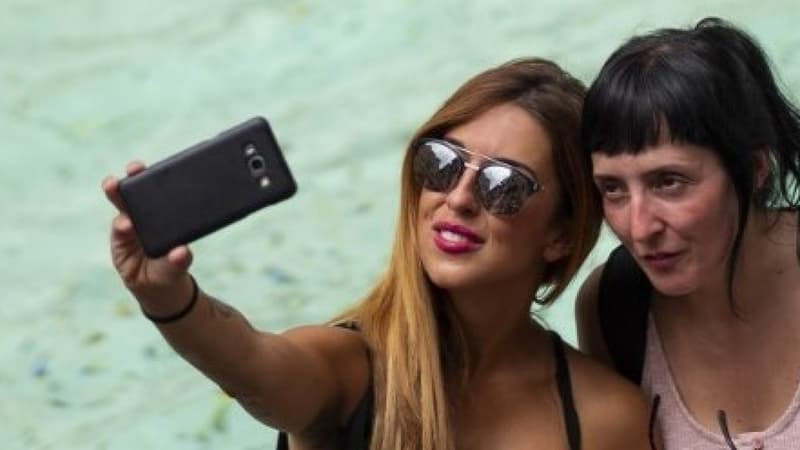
[[169, 268], [180, 258]]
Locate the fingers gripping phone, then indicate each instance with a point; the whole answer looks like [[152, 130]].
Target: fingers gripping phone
[[207, 187]]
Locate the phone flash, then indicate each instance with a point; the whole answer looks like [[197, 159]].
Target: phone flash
[[264, 182], [249, 150]]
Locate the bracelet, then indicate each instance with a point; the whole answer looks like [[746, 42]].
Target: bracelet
[[180, 314]]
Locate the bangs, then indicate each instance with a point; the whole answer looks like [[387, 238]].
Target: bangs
[[639, 102]]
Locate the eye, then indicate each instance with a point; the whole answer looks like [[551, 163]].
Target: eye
[[611, 190], [670, 183]]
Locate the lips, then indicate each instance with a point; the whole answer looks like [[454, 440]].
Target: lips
[[661, 261], [455, 239]]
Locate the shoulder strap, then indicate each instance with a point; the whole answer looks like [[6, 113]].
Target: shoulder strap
[[357, 432], [571, 421], [624, 301]]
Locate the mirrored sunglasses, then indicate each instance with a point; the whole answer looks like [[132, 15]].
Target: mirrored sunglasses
[[501, 188]]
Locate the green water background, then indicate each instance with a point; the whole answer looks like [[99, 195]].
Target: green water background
[[88, 85]]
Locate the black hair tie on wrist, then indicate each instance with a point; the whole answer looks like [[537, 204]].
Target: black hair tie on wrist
[[180, 314]]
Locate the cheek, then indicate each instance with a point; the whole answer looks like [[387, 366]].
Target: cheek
[[616, 218], [711, 223], [507, 234], [531, 231], [516, 248], [717, 230], [425, 204]]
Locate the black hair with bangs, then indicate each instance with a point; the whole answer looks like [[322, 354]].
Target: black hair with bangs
[[710, 85]]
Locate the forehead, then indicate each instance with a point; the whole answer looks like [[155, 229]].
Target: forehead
[[507, 132], [656, 157]]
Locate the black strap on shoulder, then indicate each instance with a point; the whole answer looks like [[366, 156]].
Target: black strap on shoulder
[[358, 432], [624, 301], [571, 421], [283, 442]]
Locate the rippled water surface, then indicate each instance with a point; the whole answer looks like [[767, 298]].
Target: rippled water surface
[[89, 85]]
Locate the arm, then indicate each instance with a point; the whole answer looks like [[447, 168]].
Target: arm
[[304, 381], [590, 333]]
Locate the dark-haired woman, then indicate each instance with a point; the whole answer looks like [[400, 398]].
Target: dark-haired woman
[[498, 209], [696, 155]]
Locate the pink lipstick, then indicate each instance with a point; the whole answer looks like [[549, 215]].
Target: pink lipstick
[[455, 239]]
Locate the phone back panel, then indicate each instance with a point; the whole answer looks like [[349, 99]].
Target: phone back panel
[[206, 187]]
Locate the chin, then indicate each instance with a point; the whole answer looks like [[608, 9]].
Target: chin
[[459, 278], [448, 281], [673, 287]]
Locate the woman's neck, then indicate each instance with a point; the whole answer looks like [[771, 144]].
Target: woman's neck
[[497, 326]]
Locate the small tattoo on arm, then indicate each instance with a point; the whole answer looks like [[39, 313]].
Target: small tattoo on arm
[[221, 309]]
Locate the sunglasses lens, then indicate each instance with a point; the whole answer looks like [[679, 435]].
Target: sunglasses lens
[[437, 166], [502, 190]]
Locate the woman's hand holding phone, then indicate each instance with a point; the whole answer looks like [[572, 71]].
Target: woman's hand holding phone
[[184, 197], [162, 285]]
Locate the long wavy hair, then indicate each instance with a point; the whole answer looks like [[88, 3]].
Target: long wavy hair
[[402, 316]]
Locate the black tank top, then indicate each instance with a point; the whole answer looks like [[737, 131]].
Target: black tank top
[[357, 432]]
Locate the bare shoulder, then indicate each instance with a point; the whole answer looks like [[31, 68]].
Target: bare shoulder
[[341, 352], [330, 341], [341, 348], [587, 318], [613, 411]]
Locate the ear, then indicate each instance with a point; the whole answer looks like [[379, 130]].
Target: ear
[[760, 168]]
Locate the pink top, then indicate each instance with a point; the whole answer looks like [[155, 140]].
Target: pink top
[[680, 431]]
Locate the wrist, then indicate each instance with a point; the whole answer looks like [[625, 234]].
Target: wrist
[[173, 304]]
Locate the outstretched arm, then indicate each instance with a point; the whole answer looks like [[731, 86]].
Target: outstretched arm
[[303, 381]]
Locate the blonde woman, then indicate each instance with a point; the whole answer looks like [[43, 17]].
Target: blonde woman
[[498, 210]]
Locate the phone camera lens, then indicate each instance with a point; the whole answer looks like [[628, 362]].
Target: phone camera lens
[[257, 166], [256, 163]]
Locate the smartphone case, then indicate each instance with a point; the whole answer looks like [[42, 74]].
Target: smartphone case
[[206, 187]]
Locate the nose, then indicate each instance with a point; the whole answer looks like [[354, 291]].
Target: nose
[[462, 197], [644, 221]]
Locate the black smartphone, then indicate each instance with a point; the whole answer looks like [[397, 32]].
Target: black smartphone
[[207, 186]]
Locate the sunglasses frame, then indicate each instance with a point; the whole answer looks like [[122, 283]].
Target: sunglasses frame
[[533, 185]]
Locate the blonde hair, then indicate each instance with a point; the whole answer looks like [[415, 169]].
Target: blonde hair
[[402, 312]]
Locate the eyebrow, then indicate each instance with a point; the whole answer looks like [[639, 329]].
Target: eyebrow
[[510, 162]]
